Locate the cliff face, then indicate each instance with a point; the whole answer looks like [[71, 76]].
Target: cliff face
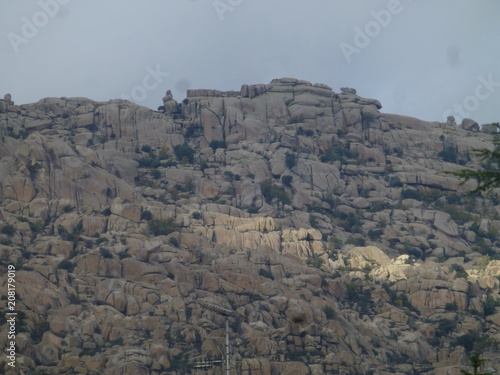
[[327, 226]]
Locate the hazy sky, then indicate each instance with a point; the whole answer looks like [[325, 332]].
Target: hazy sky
[[422, 58]]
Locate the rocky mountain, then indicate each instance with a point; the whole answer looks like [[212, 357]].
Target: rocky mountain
[[327, 227]]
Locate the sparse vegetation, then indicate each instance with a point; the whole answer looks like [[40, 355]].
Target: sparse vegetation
[[184, 153], [315, 261], [287, 180], [217, 144], [162, 227], [337, 153], [174, 241], [146, 215], [272, 191], [66, 265], [459, 270], [290, 160], [239, 236], [105, 253], [8, 229], [265, 273], [329, 312]]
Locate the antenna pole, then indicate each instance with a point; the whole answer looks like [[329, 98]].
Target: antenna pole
[[226, 313], [227, 345]]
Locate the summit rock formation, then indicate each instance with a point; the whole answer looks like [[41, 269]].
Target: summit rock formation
[[328, 227]]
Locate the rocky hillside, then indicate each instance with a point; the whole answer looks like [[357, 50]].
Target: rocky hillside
[[327, 227]]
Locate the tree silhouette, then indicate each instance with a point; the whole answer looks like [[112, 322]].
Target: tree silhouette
[[475, 361], [489, 177]]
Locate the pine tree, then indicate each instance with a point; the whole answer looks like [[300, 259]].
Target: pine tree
[[475, 361], [489, 177]]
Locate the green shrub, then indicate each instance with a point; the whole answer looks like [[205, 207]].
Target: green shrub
[[162, 227], [356, 241], [451, 306], [38, 330], [337, 153], [271, 191], [66, 265], [290, 160], [349, 222], [313, 220], [184, 153], [8, 229], [473, 341], [118, 341], [374, 234], [101, 240], [458, 215], [146, 215], [105, 253], [149, 162], [300, 130], [329, 312], [203, 165], [449, 154], [453, 198], [411, 194], [379, 206], [353, 291], [459, 270], [155, 173], [265, 273], [174, 241], [146, 148], [430, 195], [490, 305], [36, 227], [217, 144], [446, 326], [395, 182], [74, 299], [314, 261], [266, 187]]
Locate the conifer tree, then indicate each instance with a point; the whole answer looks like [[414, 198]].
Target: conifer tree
[[475, 361], [489, 177]]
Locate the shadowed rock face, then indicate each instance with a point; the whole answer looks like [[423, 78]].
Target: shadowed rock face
[[327, 226]]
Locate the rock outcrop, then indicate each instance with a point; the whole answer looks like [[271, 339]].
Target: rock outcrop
[[327, 227]]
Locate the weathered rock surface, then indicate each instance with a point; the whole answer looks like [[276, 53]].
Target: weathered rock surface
[[326, 226]]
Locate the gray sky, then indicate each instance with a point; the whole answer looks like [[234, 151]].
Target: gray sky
[[422, 58]]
